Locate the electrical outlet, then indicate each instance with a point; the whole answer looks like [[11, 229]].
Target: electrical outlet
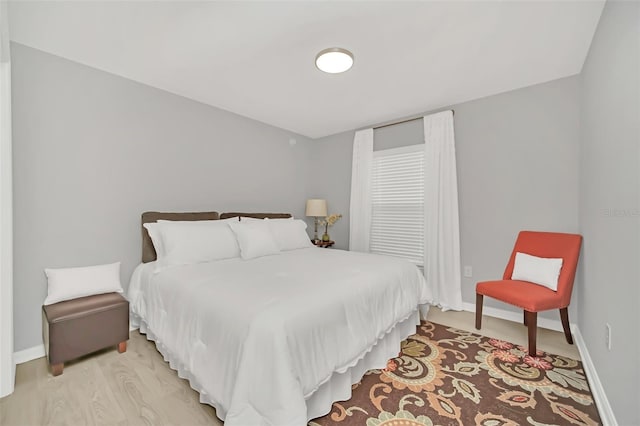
[[468, 271], [607, 336]]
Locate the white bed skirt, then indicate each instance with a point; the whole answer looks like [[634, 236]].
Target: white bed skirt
[[338, 388]]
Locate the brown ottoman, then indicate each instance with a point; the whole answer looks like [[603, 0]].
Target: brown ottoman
[[77, 327]]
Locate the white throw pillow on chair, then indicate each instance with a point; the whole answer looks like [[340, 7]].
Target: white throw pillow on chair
[[538, 270]]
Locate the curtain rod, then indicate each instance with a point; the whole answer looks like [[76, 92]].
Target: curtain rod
[[404, 121]]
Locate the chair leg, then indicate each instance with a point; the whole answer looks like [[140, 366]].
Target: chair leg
[[564, 317], [122, 347], [56, 369], [531, 319], [479, 299], [524, 317]]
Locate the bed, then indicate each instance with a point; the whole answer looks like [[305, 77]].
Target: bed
[[275, 340]]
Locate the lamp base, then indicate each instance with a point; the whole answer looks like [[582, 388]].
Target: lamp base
[[315, 230]]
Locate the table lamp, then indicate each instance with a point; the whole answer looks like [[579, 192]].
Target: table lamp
[[316, 208]]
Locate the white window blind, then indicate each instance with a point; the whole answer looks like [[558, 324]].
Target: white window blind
[[397, 197]]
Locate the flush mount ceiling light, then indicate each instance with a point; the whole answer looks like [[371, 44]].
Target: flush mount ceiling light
[[334, 60]]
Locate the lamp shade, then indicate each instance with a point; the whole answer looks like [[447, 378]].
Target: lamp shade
[[316, 207]]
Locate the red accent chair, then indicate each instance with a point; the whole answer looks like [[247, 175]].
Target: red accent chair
[[534, 298]]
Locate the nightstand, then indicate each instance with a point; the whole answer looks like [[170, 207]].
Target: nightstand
[[323, 244]]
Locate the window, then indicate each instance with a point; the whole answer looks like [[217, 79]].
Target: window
[[397, 198]]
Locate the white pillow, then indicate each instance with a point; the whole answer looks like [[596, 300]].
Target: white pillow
[[538, 270], [153, 229], [190, 242], [289, 234], [255, 239], [229, 219], [249, 219], [255, 219], [71, 283]]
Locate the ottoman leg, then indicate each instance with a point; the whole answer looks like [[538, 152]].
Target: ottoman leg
[[122, 347], [56, 369]]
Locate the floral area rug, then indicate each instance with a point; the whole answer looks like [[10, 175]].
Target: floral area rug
[[445, 376]]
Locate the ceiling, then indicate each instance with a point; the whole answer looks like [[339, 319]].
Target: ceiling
[[257, 58]]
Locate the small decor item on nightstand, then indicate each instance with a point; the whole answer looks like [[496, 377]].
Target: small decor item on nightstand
[[327, 222]]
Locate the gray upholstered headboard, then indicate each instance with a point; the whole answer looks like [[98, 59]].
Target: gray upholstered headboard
[[149, 252]]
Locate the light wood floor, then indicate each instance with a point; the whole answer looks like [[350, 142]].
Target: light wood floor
[[138, 387]]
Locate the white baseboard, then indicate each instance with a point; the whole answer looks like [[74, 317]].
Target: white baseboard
[[604, 408], [29, 354], [550, 324]]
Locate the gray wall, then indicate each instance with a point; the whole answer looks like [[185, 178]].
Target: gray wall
[[610, 207], [517, 158], [92, 151]]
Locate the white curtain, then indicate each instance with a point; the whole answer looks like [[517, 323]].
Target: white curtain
[[7, 367], [360, 209], [441, 224]]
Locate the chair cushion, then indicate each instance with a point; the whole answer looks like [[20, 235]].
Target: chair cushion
[[526, 295]]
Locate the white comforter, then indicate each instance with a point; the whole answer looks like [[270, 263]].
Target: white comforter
[[260, 336]]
